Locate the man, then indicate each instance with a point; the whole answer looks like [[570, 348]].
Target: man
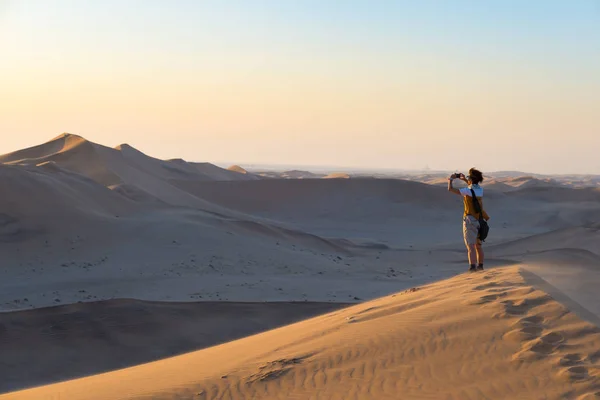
[[470, 216]]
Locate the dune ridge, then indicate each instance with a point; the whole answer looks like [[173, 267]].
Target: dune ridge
[[124, 165]]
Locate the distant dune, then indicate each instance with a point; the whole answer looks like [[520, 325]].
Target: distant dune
[[238, 169], [291, 174], [123, 165], [111, 166], [530, 182], [337, 175], [498, 186], [558, 194]]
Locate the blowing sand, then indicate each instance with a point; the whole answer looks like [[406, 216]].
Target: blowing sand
[[486, 335]]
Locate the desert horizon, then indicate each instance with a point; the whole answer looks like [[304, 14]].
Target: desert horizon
[[305, 170]]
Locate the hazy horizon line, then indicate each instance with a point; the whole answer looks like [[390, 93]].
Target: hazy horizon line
[[266, 166]]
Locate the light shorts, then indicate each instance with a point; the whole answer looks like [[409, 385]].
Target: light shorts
[[471, 230]]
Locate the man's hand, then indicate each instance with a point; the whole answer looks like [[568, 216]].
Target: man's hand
[[450, 188]]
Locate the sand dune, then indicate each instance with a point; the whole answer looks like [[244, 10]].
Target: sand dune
[[290, 174], [123, 165], [61, 233], [337, 175], [383, 210], [585, 237], [279, 239], [306, 194], [508, 181], [489, 335], [81, 222], [559, 194], [65, 238], [238, 169], [34, 193], [105, 165], [498, 186], [530, 182]]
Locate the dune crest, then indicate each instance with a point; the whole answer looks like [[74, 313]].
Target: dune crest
[[238, 169], [337, 175]]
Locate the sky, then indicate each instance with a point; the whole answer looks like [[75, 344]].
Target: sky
[[501, 85]]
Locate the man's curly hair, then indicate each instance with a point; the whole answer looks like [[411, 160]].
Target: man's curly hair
[[476, 176]]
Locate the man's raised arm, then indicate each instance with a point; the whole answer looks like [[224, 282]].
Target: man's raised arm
[[450, 187]]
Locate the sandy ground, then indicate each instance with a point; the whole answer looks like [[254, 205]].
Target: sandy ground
[[83, 226], [485, 335]]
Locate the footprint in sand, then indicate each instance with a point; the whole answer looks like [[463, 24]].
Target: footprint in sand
[[570, 360], [553, 338], [521, 307], [491, 275], [513, 308], [487, 286], [574, 374], [497, 290], [524, 334], [593, 357], [531, 320], [589, 396], [547, 344], [526, 329], [536, 347], [490, 298]]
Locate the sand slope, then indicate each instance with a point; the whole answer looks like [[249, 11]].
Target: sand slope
[[41, 196], [585, 237], [488, 335], [102, 336]]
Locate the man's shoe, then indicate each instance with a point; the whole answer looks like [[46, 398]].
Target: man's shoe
[[472, 269], [480, 268]]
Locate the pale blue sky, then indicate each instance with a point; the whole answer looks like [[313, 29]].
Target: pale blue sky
[[394, 84]]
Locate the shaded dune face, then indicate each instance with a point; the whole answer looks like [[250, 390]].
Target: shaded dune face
[[37, 191], [108, 335]]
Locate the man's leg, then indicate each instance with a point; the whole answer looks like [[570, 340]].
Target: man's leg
[[479, 256], [473, 254], [470, 236]]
